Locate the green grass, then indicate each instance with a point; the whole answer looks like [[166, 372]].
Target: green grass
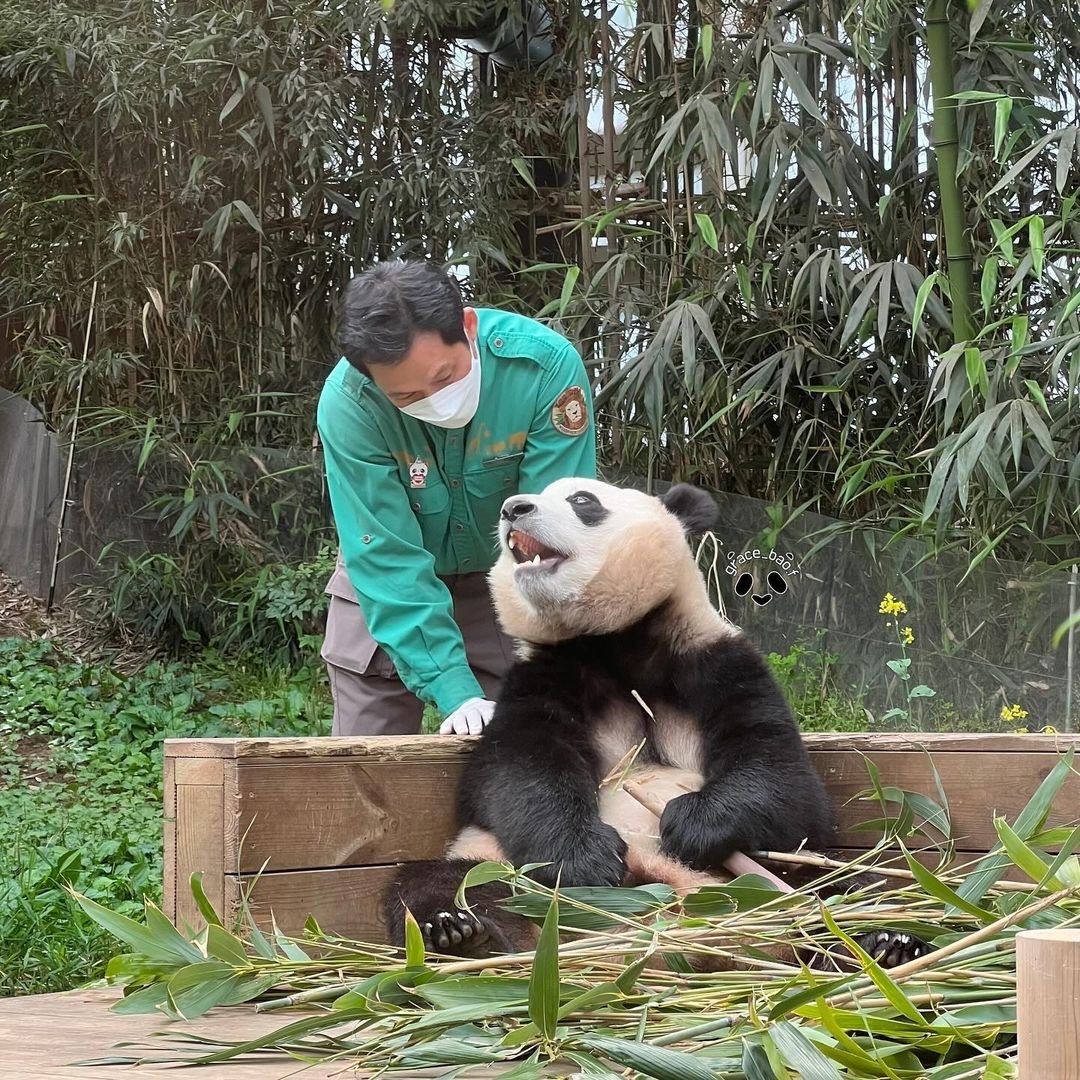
[[80, 787], [806, 675]]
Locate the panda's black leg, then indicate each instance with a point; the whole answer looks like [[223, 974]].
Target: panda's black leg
[[428, 890]]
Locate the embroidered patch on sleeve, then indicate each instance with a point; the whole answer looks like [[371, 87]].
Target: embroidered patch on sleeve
[[569, 414]]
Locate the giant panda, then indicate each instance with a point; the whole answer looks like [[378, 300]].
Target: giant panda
[[626, 673]]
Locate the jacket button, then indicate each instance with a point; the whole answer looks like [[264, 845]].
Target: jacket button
[[366, 538], [455, 484], [416, 506], [498, 343]]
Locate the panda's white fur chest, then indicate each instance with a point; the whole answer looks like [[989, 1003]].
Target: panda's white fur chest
[[674, 739]]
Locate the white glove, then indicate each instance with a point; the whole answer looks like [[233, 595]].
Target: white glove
[[469, 718]]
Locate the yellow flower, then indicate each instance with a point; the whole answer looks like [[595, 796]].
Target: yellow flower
[[1013, 712], [891, 606], [907, 635]]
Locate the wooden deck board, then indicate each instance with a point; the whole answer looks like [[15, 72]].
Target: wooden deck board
[[43, 1035]]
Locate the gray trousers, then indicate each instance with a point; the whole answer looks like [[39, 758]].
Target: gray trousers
[[369, 697]]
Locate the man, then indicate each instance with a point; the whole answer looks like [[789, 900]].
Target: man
[[433, 417]]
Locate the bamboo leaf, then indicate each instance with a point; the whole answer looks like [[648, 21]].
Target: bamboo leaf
[[1028, 822], [1037, 242], [654, 1061], [248, 215], [1066, 153], [801, 1054], [231, 104], [415, 954], [795, 82], [862, 303], [1038, 428], [1035, 391], [225, 946], [1002, 112], [938, 889], [544, 981], [922, 296], [1038, 147], [161, 943], [266, 107], [1024, 857], [707, 230], [572, 275], [524, 170]]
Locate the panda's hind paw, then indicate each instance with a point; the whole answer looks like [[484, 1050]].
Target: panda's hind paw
[[455, 933], [890, 948]]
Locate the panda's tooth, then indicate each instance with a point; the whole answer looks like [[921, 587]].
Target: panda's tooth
[[510, 542], [536, 560]]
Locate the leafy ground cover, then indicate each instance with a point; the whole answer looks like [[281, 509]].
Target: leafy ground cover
[[81, 786]]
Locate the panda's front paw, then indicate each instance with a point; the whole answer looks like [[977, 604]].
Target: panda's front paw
[[890, 948], [688, 834], [597, 858]]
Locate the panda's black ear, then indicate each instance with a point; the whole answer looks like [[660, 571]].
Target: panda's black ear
[[695, 508]]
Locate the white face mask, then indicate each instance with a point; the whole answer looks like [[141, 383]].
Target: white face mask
[[453, 406]]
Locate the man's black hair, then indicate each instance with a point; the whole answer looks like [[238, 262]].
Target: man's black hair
[[384, 308]]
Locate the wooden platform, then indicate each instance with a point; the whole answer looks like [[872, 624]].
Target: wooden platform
[[330, 818], [42, 1036], [322, 823]]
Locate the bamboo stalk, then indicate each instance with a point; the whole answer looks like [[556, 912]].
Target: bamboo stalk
[[946, 148], [806, 859]]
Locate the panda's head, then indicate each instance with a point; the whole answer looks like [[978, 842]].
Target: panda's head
[[585, 557]]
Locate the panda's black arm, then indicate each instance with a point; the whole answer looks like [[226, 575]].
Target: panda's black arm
[[533, 785], [761, 790]]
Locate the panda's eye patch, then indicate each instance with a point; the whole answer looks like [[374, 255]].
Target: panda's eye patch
[[587, 507]]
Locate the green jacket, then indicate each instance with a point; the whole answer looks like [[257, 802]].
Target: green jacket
[[412, 500]]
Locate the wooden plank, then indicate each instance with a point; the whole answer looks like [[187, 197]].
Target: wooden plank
[[197, 770], [455, 747], [384, 748], [200, 847], [312, 814], [944, 743], [345, 901], [977, 786], [936, 743], [168, 889]]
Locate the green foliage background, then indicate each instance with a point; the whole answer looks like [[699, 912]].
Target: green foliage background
[[757, 274]]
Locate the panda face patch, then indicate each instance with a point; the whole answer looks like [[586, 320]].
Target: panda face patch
[[529, 551]]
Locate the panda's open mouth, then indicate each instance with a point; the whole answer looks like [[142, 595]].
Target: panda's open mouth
[[528, 551]]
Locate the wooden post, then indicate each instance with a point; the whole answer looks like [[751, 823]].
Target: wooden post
[[1048, 1004]]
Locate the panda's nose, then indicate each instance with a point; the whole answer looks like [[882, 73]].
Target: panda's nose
[[517, 507]]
